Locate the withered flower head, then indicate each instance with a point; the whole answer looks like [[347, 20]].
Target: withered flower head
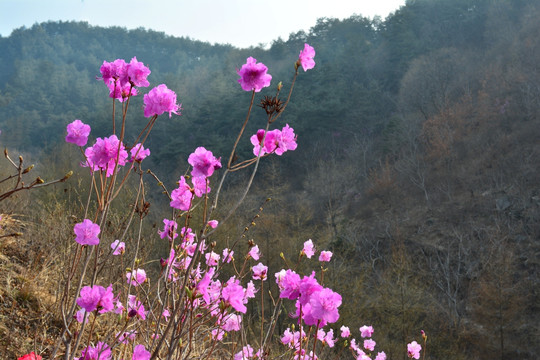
[[271, 105]]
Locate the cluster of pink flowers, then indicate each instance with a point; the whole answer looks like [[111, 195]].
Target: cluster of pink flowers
[[121, 77], [107, 153], [204, 164], [369, 344], [275, 141]]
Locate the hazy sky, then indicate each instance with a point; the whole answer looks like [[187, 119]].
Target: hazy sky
[[239, 22]]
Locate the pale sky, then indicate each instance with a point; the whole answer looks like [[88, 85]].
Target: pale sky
[[241, 23]]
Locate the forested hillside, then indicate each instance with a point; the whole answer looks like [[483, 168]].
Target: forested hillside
[[417, 160]]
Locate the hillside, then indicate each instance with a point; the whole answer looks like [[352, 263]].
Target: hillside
[[416, 164]]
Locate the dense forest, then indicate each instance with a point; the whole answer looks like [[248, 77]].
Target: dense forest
[[416, 160]]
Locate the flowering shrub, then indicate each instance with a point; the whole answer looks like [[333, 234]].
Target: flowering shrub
[[190, 308]]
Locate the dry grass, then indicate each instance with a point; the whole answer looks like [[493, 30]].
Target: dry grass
[[26, 280]]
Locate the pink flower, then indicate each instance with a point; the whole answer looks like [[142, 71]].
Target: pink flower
[[212, 259], [137, 73], [233, 294], [159, 100], [259, 272], [135, 307], [285, 140], [329, 338], [324, 305], [278, 141], [249, 291], [253, 75], [79, 316], [200, 185], [308, 249], [213, 224], [87, 232], [381, 356], [308, 286], [31, 356], [138, 153], [77, 133], [270, 141], [136, 277], [115, 70], [345, 332], [140, 353], [287, 337], [121, 91], [289, 284], [104, 153], [227, 255], [119, 247], [96, 297], [204, 162], [325, 256], [306, 57], [181, 196], [413, 350], [232, 322], [369, 344], [101, 351], [169, 230], [366, 331], [254, 252], [246, 353], [126, 336]]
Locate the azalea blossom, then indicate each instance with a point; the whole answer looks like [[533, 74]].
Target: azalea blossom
[[366, 331], [105, 155], [96, 297], [369, 344], [140, 353], [413, 350], [136, 277], [137, 73], [160, 100], [253, 75], [101, 351], [324, 305], [325, 256], [254, 252], [135, 308], [204, 162], [87, 232], [138, 153], [259, 272], [308, 249], [306, 57], [77, 133], [181, 196], [169, 230], [381, 356], [345, 332], [233, 294], [119, 247]]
